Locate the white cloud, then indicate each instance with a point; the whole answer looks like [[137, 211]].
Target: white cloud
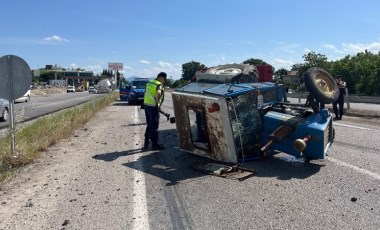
[[55, 38], [307, 50], [282, 63], [95, 68], [374, 47], [126, 67], [358, 47], [333, 48], [329, 46], [144, 62], [173, 70], [165, 64]]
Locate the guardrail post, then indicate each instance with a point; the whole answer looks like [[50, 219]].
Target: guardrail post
[[347, 99]]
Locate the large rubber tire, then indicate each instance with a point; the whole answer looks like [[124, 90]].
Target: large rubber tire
[[321, 85], [4, 116], [248, 72], [130, 101]]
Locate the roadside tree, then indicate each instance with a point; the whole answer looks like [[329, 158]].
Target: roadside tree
[[189, 69], [254, 61], [279, 74]]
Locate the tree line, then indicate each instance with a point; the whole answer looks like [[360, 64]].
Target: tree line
[[361, 72]]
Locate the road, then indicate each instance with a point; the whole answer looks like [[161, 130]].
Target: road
[[101, 179], [46, 104]]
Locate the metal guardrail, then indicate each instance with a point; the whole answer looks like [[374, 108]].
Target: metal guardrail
[[350, 98], [364, 99]]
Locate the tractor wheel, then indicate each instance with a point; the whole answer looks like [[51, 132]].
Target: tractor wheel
[[321, 85], [245, 72]]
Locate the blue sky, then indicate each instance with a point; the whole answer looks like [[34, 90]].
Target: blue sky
[[149, 36]]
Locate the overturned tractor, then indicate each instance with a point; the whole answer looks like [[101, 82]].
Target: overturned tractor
[[228, 115]]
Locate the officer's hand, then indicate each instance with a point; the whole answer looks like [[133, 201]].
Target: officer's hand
[[167, 116]]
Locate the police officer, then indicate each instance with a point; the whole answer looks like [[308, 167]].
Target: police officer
[[342, 91], [153, 98]]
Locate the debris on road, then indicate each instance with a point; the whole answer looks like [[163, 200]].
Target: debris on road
[[226, 171]]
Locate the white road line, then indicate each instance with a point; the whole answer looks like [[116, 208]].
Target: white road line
[[355, 127], [140, 207], [360, 170]]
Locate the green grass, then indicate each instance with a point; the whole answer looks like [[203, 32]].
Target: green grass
[[31, 139]]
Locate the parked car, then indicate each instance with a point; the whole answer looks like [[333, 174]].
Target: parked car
[[24, 98], [91, 89], [71, 89], [4, 109], [133, 91]]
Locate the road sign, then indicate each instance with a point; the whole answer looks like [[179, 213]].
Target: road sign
[[15, 80], [115, 66], [15, 77]]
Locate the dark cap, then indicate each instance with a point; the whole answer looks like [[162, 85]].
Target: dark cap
[[162, 74]]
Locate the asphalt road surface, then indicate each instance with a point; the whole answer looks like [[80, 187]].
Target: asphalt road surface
[[46, 104], [101, 179]]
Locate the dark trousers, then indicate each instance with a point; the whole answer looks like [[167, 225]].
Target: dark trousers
[[339, 102], [152, 120]]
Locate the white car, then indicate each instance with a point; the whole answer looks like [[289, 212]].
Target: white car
[[71, 89], [91, 89], [24, 98], [4, 109]]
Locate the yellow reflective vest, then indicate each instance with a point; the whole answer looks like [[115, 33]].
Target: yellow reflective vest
[[151, 93]]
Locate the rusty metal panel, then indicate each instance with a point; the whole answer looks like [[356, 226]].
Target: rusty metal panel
[[220, 144]]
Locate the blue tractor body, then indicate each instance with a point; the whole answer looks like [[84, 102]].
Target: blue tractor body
[[230, 120]]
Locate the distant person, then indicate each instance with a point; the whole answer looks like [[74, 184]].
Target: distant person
[[322, 106], [285, 90], [340, 102], [153, 98]]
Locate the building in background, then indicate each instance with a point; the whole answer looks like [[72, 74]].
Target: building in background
[[292, 78], [55, 75]]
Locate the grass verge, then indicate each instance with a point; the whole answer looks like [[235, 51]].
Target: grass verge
[[44, 132]]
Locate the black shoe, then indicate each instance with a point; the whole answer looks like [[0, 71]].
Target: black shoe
[[336, 118], [157, 147]]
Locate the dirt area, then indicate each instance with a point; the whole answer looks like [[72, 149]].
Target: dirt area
[[370, 114], [35, 92], [67, 186]]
